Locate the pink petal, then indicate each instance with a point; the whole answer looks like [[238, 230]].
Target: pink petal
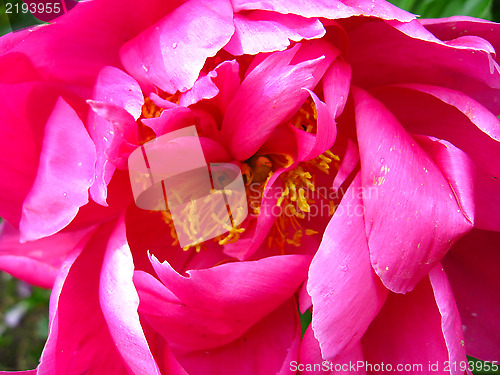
[[381, 55], [266, 348], [412, 215], [65, 173], [36, 262], [450, 318], [472, 267], [67, 50], [119, 302], [120, 99], [326, 130], [347, 164], [477, 192], [171, 53], [21, 143], [408, 331], [244, 292], [336, 85], [341, 280], [310, 354], [442, 121], [225, 76], [481, 117], [268, 95], [327, 8], [260, 31], [79, 339]]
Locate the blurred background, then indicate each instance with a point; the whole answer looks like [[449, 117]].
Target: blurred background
[[24, 309]]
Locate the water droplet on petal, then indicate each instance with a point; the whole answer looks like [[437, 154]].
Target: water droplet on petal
[[344, 268], [174, 45]]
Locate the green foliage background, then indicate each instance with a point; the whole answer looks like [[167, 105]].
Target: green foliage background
[[20, 346]]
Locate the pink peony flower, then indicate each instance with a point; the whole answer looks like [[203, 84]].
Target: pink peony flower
[[317, 103]]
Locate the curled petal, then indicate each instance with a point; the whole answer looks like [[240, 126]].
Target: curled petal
[[65, 173], [412, 215]]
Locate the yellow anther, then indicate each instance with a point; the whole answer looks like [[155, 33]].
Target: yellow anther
[[310, 232]]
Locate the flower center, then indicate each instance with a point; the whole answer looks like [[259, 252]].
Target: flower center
[[297, 196]]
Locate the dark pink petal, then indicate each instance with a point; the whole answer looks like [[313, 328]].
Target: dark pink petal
[[310, 354], [442, 121], [408, 331], [76, 47], [477, 192], [412, 216], [268, 95], [328, 8], [79, 339], [171, 53], [413, 58], [119, 302], [242, 293], [261, 31], [65, 173], [472, 267], [450, 318], [348, 162], [266, 348], [117, 104], [341, 280], [336, 86], [20, 144], [326, 130], [456, 26], [36, 262], [477, 114]]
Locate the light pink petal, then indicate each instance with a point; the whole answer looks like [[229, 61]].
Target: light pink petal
[[171, 53], [108, 124], [119, 302], [227, 81], [260, 31], [65, 173], [269, 94], [408, 331], [341, 280], [442, 121], [327, 8], [336, 86], [310, 354], [415, 59], [266, 348], [79, 339], [222, 82], [472, 267], [412, 216], [36, 262], [450, 318], [212, 307]]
